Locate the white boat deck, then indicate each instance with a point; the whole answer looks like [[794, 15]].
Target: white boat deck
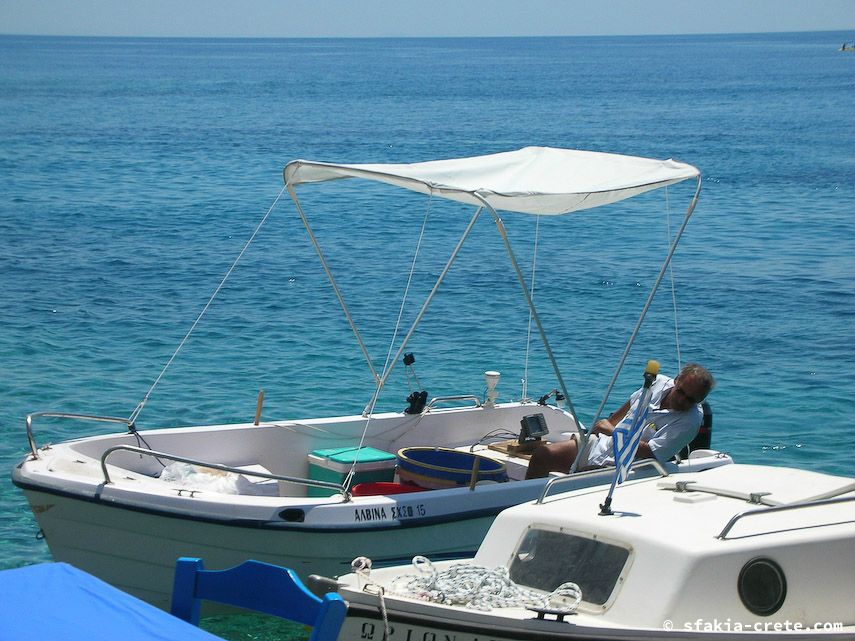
[[682, 563]]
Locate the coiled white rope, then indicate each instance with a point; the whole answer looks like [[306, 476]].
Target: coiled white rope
[[471, 586]]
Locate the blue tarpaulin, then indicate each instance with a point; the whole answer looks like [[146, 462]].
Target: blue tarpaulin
[[56, 601]]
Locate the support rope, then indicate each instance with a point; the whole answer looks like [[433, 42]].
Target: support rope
[[135, 414], [369, 410], [530, 320], [403, 299], [673, 284], [659, 277]]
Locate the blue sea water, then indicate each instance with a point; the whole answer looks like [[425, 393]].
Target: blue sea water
[[132, 172]]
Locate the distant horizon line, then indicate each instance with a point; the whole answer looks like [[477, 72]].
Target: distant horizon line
[[412, 37]]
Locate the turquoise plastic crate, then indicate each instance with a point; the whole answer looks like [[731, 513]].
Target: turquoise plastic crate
[[333, 465]]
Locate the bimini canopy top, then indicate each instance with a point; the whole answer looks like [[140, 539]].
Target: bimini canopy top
[[532, 180]]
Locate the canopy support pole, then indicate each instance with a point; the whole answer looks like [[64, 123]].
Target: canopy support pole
[[653, 291], [382, 381], [521, 278], [334, 285]]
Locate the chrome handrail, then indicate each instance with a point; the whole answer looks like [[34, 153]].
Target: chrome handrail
[[83, 417], [217, 466], [779, 508], [447, 399], [605, 471]]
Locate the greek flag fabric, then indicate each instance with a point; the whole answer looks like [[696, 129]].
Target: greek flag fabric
[[627, 435]]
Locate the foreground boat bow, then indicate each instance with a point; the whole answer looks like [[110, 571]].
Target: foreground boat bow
[[737, 552]]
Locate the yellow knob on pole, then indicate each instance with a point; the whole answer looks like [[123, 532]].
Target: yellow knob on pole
[[652, 368]]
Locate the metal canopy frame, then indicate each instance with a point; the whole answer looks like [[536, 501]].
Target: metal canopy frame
[[650, 296], [380, 379]]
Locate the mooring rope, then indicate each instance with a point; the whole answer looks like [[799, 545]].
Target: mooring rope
[[361, 565]]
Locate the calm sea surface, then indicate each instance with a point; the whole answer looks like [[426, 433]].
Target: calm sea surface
[[132, 172]]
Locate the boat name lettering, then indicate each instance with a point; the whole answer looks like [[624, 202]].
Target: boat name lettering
[[365, 514], [361, 514], [372, 632], [408, 511]]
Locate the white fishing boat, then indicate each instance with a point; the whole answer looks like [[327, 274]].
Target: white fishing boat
[[737, 552], [314, 493]]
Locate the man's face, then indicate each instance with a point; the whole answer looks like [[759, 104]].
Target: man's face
[[688, 391]]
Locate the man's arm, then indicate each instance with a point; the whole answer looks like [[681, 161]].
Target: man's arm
[[644, 450], [607, 425]]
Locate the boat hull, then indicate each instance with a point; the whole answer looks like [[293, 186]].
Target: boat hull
[[423, 622], [705, 556], [106, 505], [364, 623], [136, 551]]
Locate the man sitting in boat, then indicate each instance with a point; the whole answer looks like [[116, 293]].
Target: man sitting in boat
[[673, 421]]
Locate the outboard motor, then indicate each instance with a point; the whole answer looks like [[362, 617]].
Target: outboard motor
[[703, 438]]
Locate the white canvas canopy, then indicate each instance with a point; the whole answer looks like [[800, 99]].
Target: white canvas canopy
[[532, 180]]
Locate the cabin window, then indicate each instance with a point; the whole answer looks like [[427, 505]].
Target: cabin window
[[546, 558]]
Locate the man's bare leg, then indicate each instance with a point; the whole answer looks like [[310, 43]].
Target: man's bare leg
[[554, 457]]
